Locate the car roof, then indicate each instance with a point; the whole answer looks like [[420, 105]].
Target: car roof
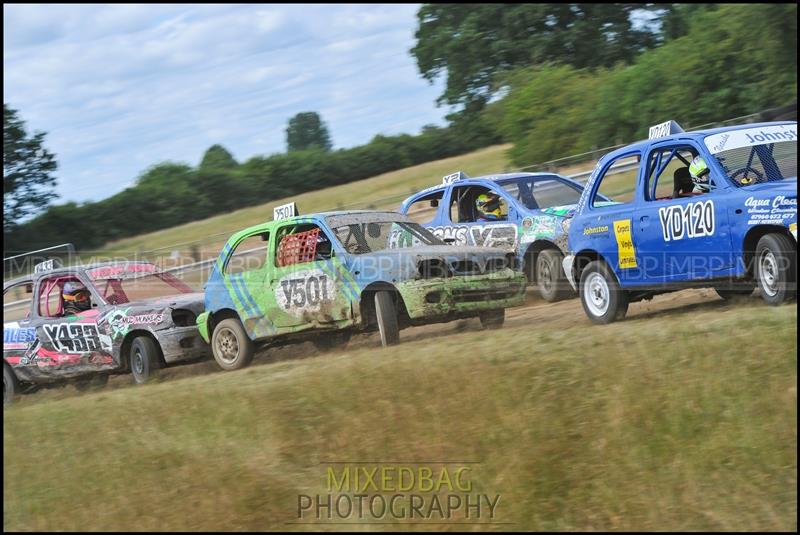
[[308, 218], [477, 179], [65, 270], [692, 134]]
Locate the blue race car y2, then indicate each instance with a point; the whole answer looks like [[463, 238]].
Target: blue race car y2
[[533, 209]]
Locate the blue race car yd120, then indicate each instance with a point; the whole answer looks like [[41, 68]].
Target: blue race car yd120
[[710, 208]]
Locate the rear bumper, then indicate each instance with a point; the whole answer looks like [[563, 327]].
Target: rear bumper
[[456, 295]]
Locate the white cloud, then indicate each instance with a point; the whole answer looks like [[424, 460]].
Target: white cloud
[[121, 87]]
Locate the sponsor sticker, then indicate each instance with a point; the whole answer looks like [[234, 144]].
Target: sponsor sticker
[[770, 211], [627, 252], [18, 337], [490, 235], [120, 322], [602, 229], [750, 137]]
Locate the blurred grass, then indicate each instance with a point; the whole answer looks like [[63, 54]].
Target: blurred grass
[[678, 422]]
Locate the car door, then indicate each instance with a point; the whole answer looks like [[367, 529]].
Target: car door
[[681, 238], [307, 286], [20, 342], [70, 344], [245, 278], [460, 220], [607, 220]]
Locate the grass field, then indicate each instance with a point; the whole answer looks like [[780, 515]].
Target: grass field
[[679, 421]]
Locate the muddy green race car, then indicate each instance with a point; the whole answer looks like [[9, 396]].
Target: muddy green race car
[[323, 277]]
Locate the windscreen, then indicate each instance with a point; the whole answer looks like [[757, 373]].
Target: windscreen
[[756, 155], [536, 193], [119, 285], [361, 238]]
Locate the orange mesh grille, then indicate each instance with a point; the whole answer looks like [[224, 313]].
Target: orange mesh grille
[[298, 248]]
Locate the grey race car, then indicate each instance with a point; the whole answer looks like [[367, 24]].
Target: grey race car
[[140, 319]]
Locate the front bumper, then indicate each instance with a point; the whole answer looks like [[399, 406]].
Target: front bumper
[[182, 343], [202, 326], [462, 294]]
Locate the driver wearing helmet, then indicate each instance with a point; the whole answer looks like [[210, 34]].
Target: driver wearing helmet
[[701, 175], [488, 207], [76, 298]]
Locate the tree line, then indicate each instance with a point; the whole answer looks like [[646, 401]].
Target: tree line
[[169, 193]]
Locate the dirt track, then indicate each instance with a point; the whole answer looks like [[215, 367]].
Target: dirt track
[[535, 313]]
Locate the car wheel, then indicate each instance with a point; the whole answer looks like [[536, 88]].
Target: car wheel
[[386, 312], [144, 359], [91, 382], [231, 346], [776, 268], [602, 298], [330, 341], [493, 319], [10, 385], [550, 278]]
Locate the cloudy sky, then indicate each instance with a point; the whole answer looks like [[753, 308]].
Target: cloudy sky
[[121, 87]]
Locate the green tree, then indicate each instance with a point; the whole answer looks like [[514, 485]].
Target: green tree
[[476, 45], [307, 131], [28, 168], [218, 157]]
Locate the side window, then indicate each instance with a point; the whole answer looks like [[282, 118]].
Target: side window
[[18, 302], [301, 244], [668, 173], [618, 183], [249, 254], [423, 210], [464, 208], [50, 303]]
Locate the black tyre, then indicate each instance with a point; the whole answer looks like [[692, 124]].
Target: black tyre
[[737, 291], [144, 359], [493, 319], [550, 278], [601, 296], [231, 346], [91, 382], [386, 312], [330, 341], [776, 268], [10, 385]]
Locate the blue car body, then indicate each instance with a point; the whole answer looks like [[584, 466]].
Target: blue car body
[[654, 243]]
